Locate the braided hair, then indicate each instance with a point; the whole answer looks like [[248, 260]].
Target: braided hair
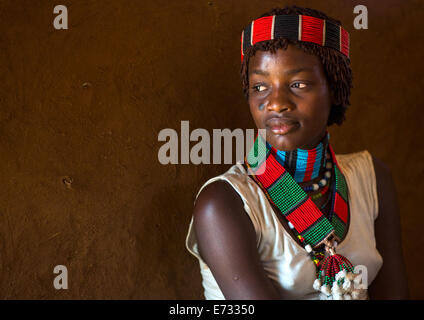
[[336, 65]]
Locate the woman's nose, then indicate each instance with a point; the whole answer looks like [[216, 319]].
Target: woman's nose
[[279, 101]]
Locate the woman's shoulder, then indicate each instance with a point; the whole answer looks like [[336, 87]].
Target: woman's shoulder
[[361, 164], [229, 182], [370, 173], [218, 194], [354, 157], [366, 161], [219, 211], [224, 201]]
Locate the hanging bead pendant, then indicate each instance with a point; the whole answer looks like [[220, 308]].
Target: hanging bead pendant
[[336, 278]]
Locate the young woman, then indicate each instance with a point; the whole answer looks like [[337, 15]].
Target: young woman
[[312, 224]]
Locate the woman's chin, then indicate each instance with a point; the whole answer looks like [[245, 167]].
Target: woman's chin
[[282, 142]]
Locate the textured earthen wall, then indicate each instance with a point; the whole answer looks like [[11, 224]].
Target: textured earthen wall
[[80, 113]]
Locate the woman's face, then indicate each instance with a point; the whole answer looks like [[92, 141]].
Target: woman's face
[[289, 97]]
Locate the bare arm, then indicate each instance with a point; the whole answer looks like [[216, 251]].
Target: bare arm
[[391, 281], [227, 243]]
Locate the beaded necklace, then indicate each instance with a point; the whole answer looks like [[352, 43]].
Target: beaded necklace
[[304, 165], [326, 203], [334, 273], [321, 193]]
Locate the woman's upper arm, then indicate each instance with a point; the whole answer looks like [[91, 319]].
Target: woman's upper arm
[[227, 243], [391, 281]]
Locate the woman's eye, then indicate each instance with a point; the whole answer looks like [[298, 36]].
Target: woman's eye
[[259, 88], [299, 84]]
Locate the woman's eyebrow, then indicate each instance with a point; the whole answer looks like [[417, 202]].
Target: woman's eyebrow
[[288, 72], [260, 72], [297, 70]]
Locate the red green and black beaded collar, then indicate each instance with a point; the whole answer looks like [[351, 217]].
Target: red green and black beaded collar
[[335, 274]]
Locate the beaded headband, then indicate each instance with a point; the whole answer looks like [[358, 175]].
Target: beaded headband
[[295, 27]]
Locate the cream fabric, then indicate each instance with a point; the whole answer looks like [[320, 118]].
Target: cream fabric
[[286, 262]]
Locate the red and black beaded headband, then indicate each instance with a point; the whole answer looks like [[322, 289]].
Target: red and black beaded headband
[[295, 27]]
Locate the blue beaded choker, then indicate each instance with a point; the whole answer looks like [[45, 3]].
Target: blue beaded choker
[[305, 164]]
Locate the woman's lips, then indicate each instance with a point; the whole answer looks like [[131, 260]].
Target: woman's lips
[[282, 127]]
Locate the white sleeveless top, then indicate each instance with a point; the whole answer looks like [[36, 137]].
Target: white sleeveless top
[[283, 259]]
